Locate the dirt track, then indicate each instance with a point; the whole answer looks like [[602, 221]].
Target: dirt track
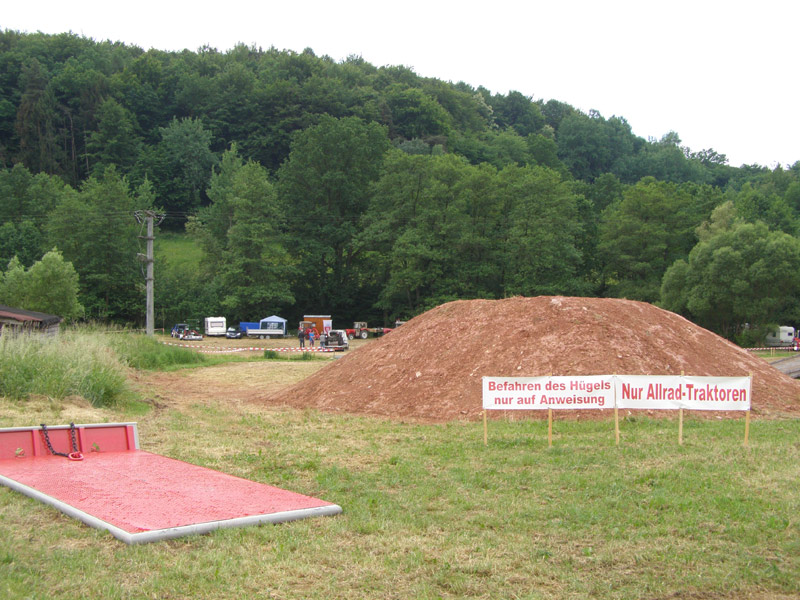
[[790, 365], [425, 372], [247, 382]]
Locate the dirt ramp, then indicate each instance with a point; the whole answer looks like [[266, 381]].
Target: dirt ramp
[[430, 369]]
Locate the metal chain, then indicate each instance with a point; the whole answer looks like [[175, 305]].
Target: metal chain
[[50, 446], [72, 435]]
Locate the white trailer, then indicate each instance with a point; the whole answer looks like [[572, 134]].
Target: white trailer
[[782, 336], [215, 326]]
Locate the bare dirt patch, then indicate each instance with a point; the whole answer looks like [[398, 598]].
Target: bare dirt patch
[[430, 369], [247, 382]]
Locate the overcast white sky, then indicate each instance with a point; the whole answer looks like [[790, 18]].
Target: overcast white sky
[[723, 74]]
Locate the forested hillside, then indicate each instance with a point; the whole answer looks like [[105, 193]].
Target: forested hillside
[[371, 193]]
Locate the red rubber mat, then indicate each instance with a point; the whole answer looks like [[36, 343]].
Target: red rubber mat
[[143, 497]]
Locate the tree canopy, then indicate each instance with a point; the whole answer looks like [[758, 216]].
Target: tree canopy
[[372, 193], [741, 274], [50, 286]]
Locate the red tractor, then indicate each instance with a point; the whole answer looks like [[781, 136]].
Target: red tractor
[[360, 330]]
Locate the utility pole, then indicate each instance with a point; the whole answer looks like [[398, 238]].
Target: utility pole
[[148, 216]]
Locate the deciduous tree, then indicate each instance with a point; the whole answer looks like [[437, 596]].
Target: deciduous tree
[[242, 232], [741, 274], [96, 231], [115, 142], [180, 168], [645, 232], [49, 286], [324, 189], [540, 233]]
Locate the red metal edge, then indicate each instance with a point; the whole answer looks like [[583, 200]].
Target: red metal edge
[[28, 442], [172, 532]]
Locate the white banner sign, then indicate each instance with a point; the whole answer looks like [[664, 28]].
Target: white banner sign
[[532, 393], [628, 391], [673, 392]]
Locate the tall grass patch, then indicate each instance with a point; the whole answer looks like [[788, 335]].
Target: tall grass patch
[[58, 367], [90, 363], [275, 355], [145, 352]]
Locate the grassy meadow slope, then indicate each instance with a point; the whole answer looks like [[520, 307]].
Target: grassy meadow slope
[[429, 511]]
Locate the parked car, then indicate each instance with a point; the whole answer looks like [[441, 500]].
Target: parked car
[[233, 333], [336, 339], [178, 329]]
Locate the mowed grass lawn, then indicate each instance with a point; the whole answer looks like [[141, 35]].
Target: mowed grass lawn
[[430, 512]]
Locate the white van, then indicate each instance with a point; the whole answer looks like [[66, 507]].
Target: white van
[[782, 336], [215, 326]]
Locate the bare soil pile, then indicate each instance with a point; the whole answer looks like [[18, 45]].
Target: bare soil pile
[[430, 369]]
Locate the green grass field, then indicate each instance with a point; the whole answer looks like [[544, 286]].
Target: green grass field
[[179, 250], [430, 512]]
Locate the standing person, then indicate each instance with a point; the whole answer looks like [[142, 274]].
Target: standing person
[[311, 336], [301, 335]]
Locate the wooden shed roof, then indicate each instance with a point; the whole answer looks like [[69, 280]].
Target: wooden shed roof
[[22, 315]]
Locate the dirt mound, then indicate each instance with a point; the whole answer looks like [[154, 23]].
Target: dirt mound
[[430, 369]]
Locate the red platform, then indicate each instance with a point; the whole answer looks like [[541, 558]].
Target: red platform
[[139, 496]]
